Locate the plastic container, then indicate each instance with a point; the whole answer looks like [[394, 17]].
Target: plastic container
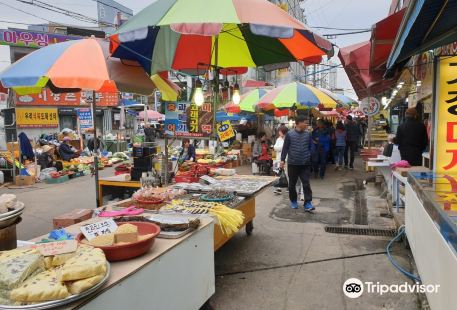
[[2, 177], [130, 250]]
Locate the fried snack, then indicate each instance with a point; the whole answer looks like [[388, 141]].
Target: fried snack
[[76, 287], [43, 287], [83, 265]]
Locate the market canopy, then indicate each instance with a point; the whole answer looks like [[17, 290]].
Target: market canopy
[[428, 24], [152, 115], [297, 95], [185, 35], [59, 67], [365, 62]]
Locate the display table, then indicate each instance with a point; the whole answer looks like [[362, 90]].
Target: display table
[[104, 184], [174, 274], [431, 227]]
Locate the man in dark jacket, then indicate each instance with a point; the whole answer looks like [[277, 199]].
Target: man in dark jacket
[[149, 133], [352, 141], [296, 149], [66, 151], [411, 138]]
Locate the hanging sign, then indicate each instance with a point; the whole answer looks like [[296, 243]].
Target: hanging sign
[[37, 117], [370, 106], [225, 131], [27, 38], [183, 119], [85, 118], [47, 97], [446, 136]]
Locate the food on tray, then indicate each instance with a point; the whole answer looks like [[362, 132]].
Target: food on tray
[[23, 279], [7, 203], [84, 264], [229, 219], [42, 287], [76, 287], [153, 195], [15, 270], [103, 240], [126, 233]]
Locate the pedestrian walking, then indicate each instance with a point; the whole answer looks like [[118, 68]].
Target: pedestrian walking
[[411, 138], [340, 144], [297, 150], [282, 131], [320, 148], [352, 140], [332, 152]]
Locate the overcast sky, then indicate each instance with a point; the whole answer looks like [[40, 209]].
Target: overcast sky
[[320, 13]]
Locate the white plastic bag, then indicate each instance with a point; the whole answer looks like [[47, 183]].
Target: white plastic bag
[[45, 173]]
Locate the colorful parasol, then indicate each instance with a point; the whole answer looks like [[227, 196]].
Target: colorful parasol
[[59, 67], [185, 35], [151, 115], [247, 102], [295, 94]]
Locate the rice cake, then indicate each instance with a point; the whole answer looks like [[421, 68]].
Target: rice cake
[[103, 240], [15, 270], [43, 287], [83, 265], [76, 287], [126, 228]]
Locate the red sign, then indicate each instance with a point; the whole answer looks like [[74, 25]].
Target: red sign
[[46, 97]]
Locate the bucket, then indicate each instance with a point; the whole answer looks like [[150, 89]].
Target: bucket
[[8, 238]]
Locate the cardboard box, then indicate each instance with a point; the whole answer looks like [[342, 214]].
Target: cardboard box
[[71, 218], [24, 180]]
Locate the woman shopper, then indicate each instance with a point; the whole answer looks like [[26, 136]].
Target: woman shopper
[[340, 143]]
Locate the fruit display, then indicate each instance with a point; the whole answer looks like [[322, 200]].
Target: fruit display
[[27, 277], [229, 219]]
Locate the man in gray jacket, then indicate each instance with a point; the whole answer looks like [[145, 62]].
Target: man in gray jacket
[[297, 150]]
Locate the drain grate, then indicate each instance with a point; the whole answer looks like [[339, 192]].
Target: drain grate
[[361, 231]]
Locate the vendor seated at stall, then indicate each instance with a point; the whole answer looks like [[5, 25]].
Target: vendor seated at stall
[[66, 151], [46, 159], [261, 147], [188, 151]]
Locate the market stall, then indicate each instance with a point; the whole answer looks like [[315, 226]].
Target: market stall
[[242, 191]]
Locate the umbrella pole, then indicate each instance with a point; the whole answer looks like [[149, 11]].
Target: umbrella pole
[[94, 115], [216, 80]]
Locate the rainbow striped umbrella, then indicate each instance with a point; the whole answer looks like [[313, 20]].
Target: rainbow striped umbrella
[[82, 64], [295, 94], [186, 35], [248, 101]]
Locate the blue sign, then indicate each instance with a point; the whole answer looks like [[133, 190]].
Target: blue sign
[[85, 118]]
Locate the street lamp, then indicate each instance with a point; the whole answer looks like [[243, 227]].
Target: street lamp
[[198, 95]]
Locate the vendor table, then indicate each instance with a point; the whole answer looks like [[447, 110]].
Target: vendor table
[[174, 274], [105, 183]]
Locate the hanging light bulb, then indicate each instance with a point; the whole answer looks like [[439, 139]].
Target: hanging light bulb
[[236, 94], [198, 95]]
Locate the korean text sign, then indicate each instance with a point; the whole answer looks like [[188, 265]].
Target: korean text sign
[[37, 117], [90, 231], [225, 131], [46, 97], [183, 119], [85, 118], [26, 38], [446, 142]]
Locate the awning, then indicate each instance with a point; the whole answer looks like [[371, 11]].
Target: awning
[[383, 35], [428, 24], [365, 62]]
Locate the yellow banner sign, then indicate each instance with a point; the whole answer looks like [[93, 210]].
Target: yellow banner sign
[[37, 117], [225, 131]]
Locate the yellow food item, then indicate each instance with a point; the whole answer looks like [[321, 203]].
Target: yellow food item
[[5, 255], [83, 265], [127, 228], [103, 240], [15, 270], [43, 287], [76, 287]]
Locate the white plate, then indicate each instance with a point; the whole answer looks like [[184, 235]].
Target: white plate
[[18, 209]]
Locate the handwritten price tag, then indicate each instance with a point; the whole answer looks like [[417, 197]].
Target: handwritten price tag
[[104, 227], [55, 248]]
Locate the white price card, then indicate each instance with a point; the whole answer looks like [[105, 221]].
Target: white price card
[[90, 231]]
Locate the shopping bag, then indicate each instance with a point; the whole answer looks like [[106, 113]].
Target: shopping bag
[[282, 182]]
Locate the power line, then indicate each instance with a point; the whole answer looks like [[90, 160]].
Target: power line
[[31, 14], [342, 29], [346, 33], [18, 23]]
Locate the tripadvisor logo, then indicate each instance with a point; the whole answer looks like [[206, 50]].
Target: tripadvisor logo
[[354, 288]]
